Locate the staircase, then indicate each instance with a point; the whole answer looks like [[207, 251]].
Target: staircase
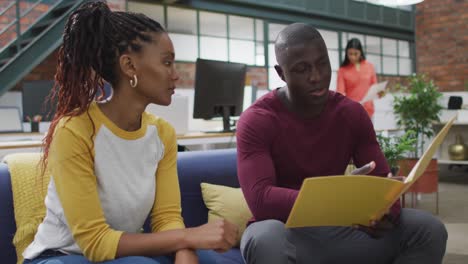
[[31, 31]]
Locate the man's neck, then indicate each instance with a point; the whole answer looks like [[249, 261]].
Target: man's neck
[[306, 111]]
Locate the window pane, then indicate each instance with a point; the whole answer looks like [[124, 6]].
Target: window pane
[[372, 44], [334, 60], [153, 11], [390, 65], [333, 81], [375, 60], [330, 37], [213, 24], [260, 60], [241, 27], [259, 54], [259, 29], [271, 55], [405, 66], [403, 48], [185, 46], [242, 51], [389, 46], [273, 30], [273, 79], [213, 48], [181, 20], [344, 40]]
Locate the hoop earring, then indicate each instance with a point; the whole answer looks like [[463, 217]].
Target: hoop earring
[[134, 81]]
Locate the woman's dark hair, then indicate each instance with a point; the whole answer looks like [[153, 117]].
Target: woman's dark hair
[[93, 40], [353, 43]]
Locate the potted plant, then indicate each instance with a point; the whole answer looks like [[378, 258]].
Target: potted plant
[[394, 148], [417, 109]]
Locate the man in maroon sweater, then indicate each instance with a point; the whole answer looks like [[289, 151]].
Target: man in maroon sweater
[[304, 130]]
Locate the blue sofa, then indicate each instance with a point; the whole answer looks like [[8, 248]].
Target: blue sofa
[[194, 167]]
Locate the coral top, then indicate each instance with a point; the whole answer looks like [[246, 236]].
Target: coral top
[[354, 84]]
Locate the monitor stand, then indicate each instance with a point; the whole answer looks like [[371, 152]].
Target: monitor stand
[[226, 121]]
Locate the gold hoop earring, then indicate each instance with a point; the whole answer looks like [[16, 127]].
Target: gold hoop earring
[[134, 81]]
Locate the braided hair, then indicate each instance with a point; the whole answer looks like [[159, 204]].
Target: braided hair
[[93, 40]]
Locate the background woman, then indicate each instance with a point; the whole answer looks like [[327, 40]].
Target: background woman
[[356, 75]]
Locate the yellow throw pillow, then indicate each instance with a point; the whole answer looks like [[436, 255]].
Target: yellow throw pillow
[[29, 191], [228, 203]]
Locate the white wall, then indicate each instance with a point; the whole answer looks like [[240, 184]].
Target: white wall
[[13, 99]]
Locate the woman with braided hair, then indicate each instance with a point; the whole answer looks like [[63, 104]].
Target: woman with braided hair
[[112, 164]]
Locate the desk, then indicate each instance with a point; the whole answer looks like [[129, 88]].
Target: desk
[[24, 142], [204, 139]]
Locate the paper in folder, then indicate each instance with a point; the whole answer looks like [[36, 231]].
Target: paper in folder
[[354, 199]]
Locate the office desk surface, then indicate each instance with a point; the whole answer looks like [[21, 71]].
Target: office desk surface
[[32, 140]]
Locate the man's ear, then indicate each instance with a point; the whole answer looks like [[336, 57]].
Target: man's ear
[[280, 73], [127, 65]]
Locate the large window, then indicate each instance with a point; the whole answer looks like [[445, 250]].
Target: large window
[[208, 35], [274, 81], [182, 27], [331, 40], [219, 36]]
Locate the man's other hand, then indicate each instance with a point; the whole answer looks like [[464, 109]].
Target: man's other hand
[[364, 170]]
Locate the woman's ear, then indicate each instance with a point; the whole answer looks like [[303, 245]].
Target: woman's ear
[[279, 71], [127, 65]]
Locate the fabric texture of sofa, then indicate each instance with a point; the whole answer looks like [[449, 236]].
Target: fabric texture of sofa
[[194, 167]]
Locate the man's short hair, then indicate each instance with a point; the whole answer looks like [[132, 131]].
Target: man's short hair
[[294, 34]]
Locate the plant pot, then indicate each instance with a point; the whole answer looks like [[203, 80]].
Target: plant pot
[[429, 180]]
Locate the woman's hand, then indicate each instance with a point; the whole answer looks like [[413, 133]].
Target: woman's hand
[[186, 256], [219, 235]]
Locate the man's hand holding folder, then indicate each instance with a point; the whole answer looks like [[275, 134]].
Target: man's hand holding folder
[[376, 228]]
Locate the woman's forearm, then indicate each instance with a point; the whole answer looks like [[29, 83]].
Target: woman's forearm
[[153, 244]]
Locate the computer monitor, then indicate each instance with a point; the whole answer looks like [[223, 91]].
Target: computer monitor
[[35, 94], [219, 90]]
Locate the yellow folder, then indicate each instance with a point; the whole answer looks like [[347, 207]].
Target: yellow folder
[[354, 199]]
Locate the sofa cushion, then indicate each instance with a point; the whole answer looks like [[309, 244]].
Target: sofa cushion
[[194, 167], [29, 191], [7, 217], [228, 203]]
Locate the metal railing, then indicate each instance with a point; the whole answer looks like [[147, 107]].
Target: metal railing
[[19, 14]]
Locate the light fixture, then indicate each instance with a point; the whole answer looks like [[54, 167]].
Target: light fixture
[[395, 2]]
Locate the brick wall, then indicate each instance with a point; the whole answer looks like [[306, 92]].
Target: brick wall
[[442, 42], [44, 71]]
